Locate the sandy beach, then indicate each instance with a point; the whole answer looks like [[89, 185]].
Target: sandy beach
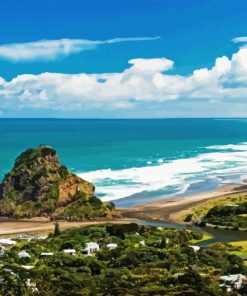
[[40, 225], [164, 209], [161, 210]]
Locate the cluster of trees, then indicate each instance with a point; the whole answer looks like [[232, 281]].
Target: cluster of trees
[[229, 216], [147, 261]]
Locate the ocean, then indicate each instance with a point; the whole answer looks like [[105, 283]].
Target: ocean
[[135, 161]]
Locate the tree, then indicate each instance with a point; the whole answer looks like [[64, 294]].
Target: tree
[[57, 231]]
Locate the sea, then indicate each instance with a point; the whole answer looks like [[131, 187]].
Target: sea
[[135, 161]]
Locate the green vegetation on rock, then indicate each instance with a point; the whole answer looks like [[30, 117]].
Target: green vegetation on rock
[[39, 185]]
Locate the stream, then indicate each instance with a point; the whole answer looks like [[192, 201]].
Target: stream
[[218, 235]]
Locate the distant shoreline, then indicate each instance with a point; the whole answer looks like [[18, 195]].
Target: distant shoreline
[[166, 208]]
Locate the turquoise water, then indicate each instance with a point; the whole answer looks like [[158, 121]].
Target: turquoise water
[[134, 161]]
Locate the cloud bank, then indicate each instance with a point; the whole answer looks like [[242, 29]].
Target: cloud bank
[[145, 81], [53, 49]]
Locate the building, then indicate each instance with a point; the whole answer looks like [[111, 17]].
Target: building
[[69, 251], [90, 248], [6, 242], [31, 285], [111, 246], [28, 267], [233, 280], [142, 243], [23, 254], [47, 254], [41, 237], [195, 248]]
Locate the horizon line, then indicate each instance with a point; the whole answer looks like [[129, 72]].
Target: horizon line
[[120, 118]]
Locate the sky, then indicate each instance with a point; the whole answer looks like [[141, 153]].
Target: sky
[[123, 59]]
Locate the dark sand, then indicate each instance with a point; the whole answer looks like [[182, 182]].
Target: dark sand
[[163, 209], [160, 210]]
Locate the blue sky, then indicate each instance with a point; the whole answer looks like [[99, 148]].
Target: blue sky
[[192, 34]]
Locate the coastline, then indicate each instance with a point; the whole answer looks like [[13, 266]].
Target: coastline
[[163, 210], [166, 209]]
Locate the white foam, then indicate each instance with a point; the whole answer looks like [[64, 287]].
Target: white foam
[[116, 184], [240, 147]]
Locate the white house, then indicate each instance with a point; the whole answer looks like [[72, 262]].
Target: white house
[[27, 267], [46, 254], [31, 285], [142, 243], [69, 251], [90, 248], [23, 254], [41, 237], [7, 242], [235, 280], [195, 248], [111, 246]]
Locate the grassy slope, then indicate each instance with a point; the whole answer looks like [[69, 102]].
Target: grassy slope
[[203, 207], [205, 236], [242, 245]]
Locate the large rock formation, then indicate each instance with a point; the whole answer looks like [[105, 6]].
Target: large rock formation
[[39, 185]]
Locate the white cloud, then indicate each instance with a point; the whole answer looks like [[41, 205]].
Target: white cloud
[[146, 81], [53, 49]]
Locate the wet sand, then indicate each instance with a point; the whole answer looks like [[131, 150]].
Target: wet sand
[[164, 209]]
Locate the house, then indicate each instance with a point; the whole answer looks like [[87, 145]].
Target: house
[[6, 242], [31, 285], [69, 251], [41, 237], [27, 267], [111, 246], [195, 248], [90, 248], [233, 280], [23, 254], [47, 254], [142, 243]]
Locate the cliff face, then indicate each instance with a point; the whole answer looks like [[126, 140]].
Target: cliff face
[[39, 185]]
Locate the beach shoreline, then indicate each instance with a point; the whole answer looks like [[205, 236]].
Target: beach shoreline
[[165, 209]]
